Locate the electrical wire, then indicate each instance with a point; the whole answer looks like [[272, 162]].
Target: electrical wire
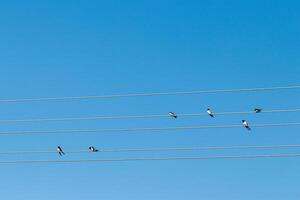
[[149, 94], [143, 129], [137, 116], [151, 159], [156, 149]]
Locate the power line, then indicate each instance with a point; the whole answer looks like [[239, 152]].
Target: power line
[[137, 116], [157, 149], [150, 94], [143, 129], [151, 159], [200, 148]]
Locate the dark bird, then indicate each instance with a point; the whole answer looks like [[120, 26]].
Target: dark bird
[[257, 110], [209, 112], [246, 125], [171, 114], [93, 149], [60, 151]]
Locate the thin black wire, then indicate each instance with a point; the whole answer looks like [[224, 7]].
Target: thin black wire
[[151, 159], [156, 149], [150, 94], [143, 129], [138, 116]]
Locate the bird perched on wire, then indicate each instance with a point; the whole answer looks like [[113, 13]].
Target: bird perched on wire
[[209, 112], [246, 125], [60, 151], [257, 110], [93, 149], [172, 114]]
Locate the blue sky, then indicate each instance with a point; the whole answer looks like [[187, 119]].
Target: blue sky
[[73, 48]]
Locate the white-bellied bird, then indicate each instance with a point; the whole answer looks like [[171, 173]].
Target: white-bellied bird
[[258, 110], [172, 114], [93, 149], [209, 112], [246, 125]]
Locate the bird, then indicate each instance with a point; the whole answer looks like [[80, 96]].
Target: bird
[[246, 125], [60, 151], [257, 110], [93, 149], [172, 114], [209, 112]]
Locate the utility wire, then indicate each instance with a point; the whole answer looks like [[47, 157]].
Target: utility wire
[[156, 149], [143, 129], [150, 159], [150, 94], [137, 116]]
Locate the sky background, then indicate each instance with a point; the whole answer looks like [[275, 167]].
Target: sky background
[[74, 48]]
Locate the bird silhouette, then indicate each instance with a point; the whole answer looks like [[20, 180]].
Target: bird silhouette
[[246, 125], [172, 114], [257, 110], [209, 112], [60, 151], [93, 149]]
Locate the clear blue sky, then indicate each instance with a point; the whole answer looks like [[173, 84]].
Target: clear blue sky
[[70, 48]]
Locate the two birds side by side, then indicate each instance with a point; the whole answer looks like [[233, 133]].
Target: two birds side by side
[[61, 152]]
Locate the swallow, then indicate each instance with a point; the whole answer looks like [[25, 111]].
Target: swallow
[[60, 151], [171, 114], [258, 110], [209, 112], [93, 149], [246, 125]]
